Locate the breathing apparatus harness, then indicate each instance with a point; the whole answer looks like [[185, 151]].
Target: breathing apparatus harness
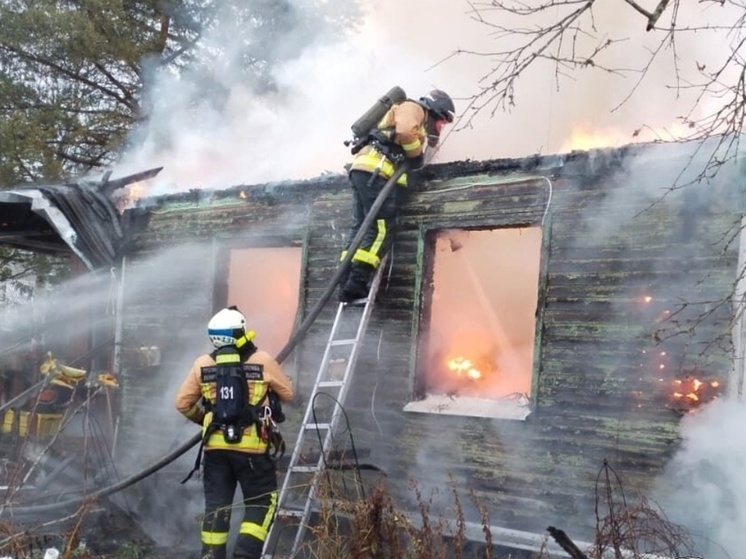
[[366, 132], [231, 411], [365, 129]]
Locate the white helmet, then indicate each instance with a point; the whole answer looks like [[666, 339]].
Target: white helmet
[[227, 327]]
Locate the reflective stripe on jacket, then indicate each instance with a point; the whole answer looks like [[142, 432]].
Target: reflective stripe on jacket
[[406, 121], [192, 389]]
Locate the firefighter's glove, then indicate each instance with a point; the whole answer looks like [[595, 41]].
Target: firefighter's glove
[[196, 414]]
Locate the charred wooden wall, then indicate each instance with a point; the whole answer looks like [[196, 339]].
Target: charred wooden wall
[[175, 277], [616, 232]]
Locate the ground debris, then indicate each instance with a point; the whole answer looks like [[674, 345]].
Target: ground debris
[[109, 533]]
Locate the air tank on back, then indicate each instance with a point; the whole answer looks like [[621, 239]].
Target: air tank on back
[[373, 116]]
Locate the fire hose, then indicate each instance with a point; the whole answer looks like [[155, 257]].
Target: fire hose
[[344, 264], [284, 352]]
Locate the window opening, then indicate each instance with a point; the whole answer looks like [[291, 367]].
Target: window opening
[[477, 337], [264, 283]]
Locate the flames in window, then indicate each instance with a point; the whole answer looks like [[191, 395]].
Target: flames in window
[[479, 341], [474, 366], [464, 368], [481, 375], [465, 375], [464, 372]]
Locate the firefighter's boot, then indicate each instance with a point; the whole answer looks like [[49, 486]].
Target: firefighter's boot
[[357, 284]]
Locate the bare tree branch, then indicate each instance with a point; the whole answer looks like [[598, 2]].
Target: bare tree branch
[[655, 16], [566, 35], [639, 8]]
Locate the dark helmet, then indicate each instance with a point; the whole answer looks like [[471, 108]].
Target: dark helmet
[[439, 103]]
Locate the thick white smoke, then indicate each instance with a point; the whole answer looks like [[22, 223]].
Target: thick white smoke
[[704, 486], [297, 131]]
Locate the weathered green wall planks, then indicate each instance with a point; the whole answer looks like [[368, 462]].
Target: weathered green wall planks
[[613, 241]]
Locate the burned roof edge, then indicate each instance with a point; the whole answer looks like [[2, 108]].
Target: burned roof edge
[[572, 163], [82, 212], [268, 193]]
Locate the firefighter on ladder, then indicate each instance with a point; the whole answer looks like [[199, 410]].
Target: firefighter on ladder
[[230, 393], [402, 134]]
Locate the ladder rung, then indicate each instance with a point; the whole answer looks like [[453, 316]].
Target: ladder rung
[[284, 513], [330, 384], [346, 341], [317, 426], [304, 469]]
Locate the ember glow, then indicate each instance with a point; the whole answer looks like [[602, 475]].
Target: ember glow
[[464, 368], [691, 391], [136, 190], [127, 196]]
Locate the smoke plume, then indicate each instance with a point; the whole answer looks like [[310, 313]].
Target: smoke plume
[[704, 486], [236, 134]]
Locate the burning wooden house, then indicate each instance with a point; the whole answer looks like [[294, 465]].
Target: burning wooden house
[[539, 316]]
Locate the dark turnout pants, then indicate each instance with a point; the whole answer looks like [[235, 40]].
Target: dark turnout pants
[[255, 473], [378, 238], [366, 187]]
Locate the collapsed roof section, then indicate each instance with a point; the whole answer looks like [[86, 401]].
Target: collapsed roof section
[[81, 217]]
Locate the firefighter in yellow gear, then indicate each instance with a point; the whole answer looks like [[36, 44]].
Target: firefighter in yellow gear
[[226, 392], [402, 134]]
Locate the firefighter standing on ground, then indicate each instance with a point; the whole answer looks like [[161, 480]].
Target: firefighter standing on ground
[[237, 454], [401, 135]]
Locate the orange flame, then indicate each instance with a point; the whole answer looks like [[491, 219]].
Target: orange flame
[[129, 195], [691, 390], [584, 137], [136, 190], [464, 367]]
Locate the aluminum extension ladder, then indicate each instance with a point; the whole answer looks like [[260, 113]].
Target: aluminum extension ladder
[[341, 351]]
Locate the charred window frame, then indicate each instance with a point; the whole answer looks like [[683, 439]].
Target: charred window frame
[[451, 405]]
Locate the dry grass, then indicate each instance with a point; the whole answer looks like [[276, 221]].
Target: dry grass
[[633, 528], [374, 526]]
